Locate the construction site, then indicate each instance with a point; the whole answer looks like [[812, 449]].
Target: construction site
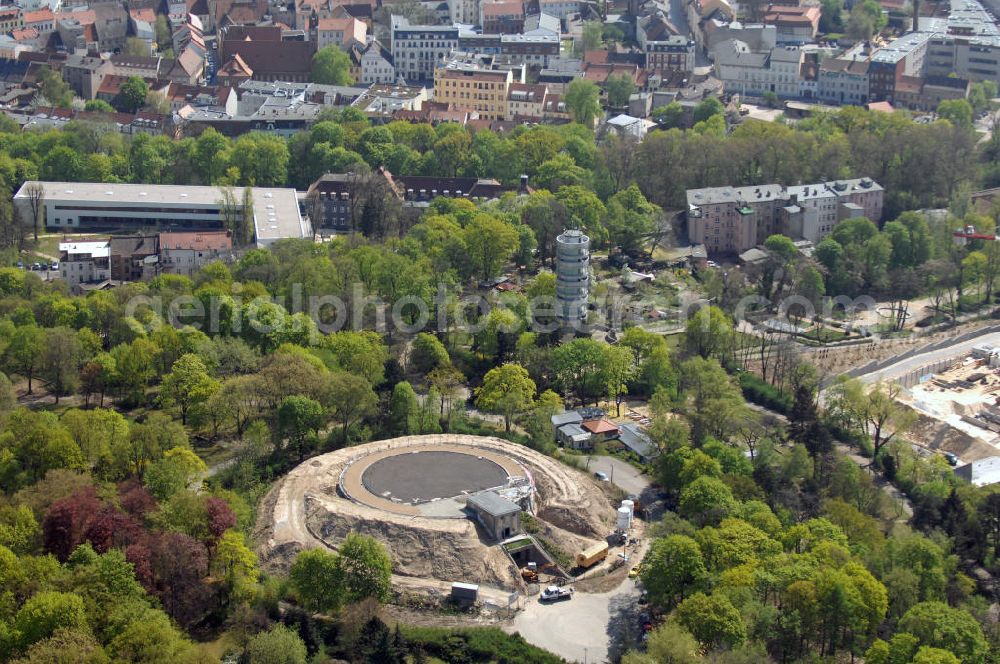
[[452, 509], [958, 405]]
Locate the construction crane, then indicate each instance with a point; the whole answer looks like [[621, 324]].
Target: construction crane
[[962, 236]]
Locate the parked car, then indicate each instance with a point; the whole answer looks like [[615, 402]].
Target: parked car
[[54, 265], [556, 593], [601, 476]]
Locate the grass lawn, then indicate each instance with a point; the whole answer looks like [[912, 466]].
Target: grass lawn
[[825, 334]]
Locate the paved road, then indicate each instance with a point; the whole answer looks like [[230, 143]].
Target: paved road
[[590, 627], [624, 475], [913, 363]]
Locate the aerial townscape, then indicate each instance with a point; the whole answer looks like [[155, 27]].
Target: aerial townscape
[[500, 331]]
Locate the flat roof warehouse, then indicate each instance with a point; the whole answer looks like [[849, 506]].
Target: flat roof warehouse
[[276, 210]]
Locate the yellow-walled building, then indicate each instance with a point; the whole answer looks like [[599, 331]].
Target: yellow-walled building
[[481, 90]]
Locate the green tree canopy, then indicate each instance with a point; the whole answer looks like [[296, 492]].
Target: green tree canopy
[[583, 101], [132, 95], [507, 390], [331, 66], [712, 619], [278, 645]]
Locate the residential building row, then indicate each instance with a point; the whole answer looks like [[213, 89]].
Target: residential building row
[[780, 56], [417, 50], [84, 264], [334, 199], [734, 219]]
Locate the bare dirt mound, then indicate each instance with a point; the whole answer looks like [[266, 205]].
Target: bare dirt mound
[[305, 510], [941, 436]]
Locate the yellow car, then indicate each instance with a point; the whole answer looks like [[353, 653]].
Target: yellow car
[[635, 571]]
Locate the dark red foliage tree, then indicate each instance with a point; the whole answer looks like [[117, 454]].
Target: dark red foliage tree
[[220, 516], [66, 521], [179, 565], [139, 554], [135, 499], [111, 529]]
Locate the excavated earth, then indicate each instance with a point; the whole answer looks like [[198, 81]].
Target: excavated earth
[[304, 510]]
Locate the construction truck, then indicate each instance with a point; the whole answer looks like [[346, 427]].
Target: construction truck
[[595, 554], [531, 572]]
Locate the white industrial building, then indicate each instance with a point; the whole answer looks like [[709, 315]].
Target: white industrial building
[[126, 207]]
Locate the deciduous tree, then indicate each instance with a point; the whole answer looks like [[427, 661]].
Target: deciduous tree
[[672, 569], [331, 66], [583, 101], [318, 580], [712, 619], [507, 390]]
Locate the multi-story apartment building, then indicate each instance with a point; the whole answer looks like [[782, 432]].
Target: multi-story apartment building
[[746, 72], [757, 36], [42, 20], [465, 12], [734, 219], [890, 64], [340, 32], [10, 19], [504, 17], [132, 256], [817, 210], [336, 200], [561, 9], [470, 87], [674, 53], [718, 219], [84, 262], [526, 101], [84, 74], [531, 50], [844, 81], [186, 253], [377, 65], [965, 44], [975, 58], [794, 24], [417, 49]]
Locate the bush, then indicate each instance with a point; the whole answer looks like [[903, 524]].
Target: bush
[[562, 558], [760, 392], [487, 644]]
